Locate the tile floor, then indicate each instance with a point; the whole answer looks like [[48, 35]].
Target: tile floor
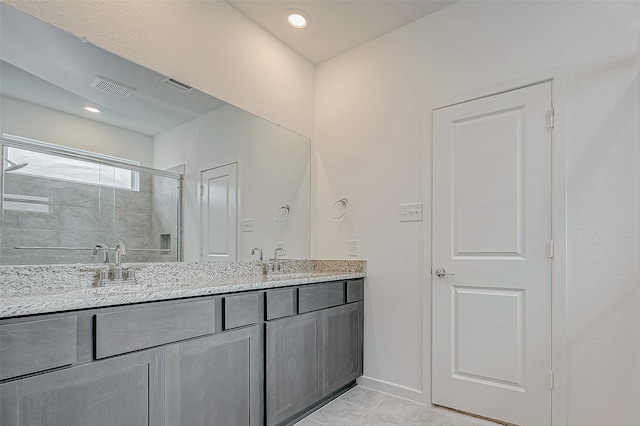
[[365, 407]]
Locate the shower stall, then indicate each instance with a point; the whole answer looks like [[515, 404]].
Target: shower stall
[[58, 203]]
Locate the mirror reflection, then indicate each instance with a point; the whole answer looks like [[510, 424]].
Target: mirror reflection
[[172, 172], [58, 210]]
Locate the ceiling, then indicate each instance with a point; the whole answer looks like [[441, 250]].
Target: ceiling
[[334, 26], [46, 66]]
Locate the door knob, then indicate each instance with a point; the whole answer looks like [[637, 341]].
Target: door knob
[[441, 272]]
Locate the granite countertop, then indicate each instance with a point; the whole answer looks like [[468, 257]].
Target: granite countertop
[[35, 299]]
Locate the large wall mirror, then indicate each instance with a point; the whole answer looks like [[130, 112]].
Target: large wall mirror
[[170, 171]]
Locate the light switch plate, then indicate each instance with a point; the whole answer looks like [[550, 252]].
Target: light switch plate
[[411, 212], [247, 225], [353, 248]]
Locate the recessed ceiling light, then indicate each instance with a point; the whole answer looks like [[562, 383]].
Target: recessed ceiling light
[[296, 19], [91, 109]]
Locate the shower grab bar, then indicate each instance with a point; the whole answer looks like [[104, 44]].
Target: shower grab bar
[[52, 248], [82, 248], [148, 249]]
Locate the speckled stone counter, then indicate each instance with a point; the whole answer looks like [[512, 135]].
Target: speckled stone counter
[[28, 290]]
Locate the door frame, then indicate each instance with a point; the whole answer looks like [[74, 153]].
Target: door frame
[[557, 76]]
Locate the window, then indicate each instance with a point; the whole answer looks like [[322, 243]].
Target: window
[[58, 167]]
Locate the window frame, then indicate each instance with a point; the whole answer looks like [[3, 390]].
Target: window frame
[[46, 148]]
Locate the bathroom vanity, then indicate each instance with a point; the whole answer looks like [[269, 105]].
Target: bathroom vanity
[[263, 356]]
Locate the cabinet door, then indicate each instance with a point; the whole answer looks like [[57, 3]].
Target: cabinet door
[[341, 355], [125, 390], [215, 380], [293, 355]]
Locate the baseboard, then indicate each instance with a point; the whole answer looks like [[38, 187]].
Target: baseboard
[[390, 388], [324, 401]]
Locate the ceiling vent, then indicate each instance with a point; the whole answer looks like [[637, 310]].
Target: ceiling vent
[[176, 84], [112, 87]]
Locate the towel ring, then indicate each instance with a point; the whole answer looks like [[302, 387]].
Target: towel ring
[[344, 202], [281, 214]]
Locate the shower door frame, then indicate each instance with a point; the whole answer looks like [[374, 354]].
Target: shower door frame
[[26, 144]]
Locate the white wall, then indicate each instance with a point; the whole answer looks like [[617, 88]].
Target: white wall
[[206, 44], [371, 114], [273, 170], [32, 121]]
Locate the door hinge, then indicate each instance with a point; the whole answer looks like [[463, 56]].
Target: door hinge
[[201, 190], [551, 118], [552, 248], [551, 379]]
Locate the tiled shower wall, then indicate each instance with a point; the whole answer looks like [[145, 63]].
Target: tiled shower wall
[[53, 213]]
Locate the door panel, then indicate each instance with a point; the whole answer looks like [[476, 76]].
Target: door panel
[[215, 380], [492, 230], [485, 226], [292, 365], [341, 349], [123, 390], [218, 194], [480, 336]]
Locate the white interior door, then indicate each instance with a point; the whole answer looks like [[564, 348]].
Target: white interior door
[[492, 232], [218, 214]]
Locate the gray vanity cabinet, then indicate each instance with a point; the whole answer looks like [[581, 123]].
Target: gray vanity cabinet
[[215, 380], [341, 350], [125, 390], [292, 365], [309, 356], [241, 359]]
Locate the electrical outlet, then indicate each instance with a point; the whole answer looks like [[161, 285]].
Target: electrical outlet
[[247, 225], [353, 248], [411, 212], [280, 244]]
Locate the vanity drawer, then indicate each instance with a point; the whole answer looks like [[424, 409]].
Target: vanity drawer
[[241, 310], [320, 296], [281, 303], [138, 328], [355, 291], [29, 347]]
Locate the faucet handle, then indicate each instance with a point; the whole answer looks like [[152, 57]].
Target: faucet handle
[[104, 276]]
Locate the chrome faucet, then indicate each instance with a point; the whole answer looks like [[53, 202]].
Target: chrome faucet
[[275, 267], [104, 273], [117, 272], [253, 251], [120, 276], [280, 250], [120, 251]]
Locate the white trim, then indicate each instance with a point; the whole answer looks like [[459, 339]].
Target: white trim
[[559, 231], [390, 388], [557, 76], [427, 228]]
